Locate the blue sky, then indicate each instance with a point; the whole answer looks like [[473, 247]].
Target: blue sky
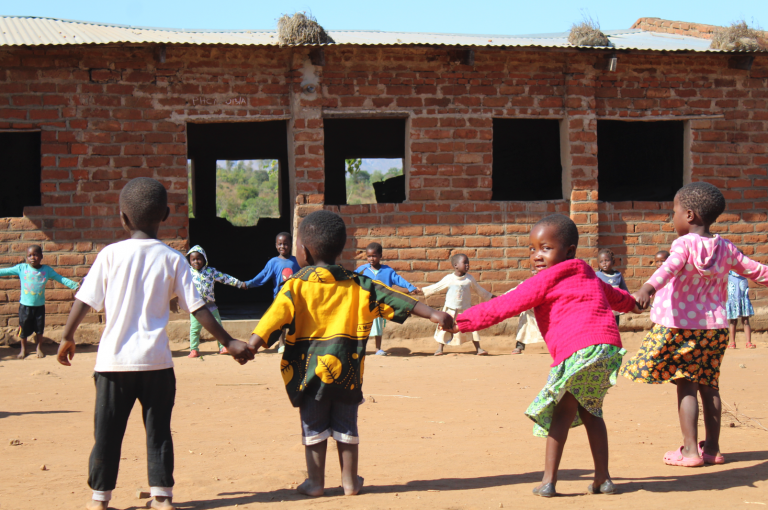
[[448, 16]]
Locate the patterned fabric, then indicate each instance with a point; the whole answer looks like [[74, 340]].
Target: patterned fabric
[[33, 282], [738, 304], [587, 374], [329, 312], [691, 284], [206, 278], [572, 308], [385, 275], [669, 353]]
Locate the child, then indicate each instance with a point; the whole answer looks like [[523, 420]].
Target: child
[[33, 276], [573, 310], [688, 339], [660, 257], [330, 311], [204, 278], [386, 275], [739, 306], [134, 281], [458, 298], [527, 329], [609, 275], [277, 270]]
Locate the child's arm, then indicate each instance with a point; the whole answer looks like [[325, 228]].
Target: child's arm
[[402, 282], [53, 275], [437, 287], [260, 279], [239, 350], [67, 346], [11, 271], [749, 268], [442, 319], [620, 300], [671, 267], [226, 279], [484, 294], [525, 296]]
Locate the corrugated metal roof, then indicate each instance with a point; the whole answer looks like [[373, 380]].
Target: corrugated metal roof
[[35, 31]]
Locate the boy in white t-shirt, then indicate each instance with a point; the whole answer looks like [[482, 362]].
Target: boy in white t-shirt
[[134, 281]]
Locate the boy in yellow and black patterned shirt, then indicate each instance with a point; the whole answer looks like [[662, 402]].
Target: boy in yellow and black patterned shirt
[[329, 312]]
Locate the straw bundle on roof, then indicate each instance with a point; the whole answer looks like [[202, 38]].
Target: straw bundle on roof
[[587, 33], [739, 36], [300, 29]]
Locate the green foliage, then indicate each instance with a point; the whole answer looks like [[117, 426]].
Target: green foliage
[[360, 183], [353, 165], [247, 191]]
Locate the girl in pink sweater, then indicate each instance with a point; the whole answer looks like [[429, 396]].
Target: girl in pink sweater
[[690, 333], [573, 309]]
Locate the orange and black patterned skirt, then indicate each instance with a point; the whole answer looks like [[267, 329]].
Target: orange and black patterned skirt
[[668, 354]]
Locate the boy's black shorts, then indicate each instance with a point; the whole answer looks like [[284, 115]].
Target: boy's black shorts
[[31, 320]]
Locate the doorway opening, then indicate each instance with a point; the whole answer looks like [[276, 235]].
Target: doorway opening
[[21, 171], [239, 200]]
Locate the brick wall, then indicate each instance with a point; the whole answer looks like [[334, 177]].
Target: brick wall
[[679, 27], [108, 114]]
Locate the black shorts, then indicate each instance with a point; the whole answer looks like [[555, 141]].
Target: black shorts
[[31, 320]]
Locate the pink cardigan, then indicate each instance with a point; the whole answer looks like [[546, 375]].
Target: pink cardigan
[[572, 307]]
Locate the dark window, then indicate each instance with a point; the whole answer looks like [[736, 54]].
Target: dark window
[[526, 160], [20, 170], [362, 139], [639, 161]]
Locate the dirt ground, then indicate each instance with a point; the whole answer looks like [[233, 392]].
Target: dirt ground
[[444, 433]]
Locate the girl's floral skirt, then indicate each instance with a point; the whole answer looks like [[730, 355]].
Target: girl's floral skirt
[[668, 354], [587, 374]]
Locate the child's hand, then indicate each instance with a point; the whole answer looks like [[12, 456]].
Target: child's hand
[[255, 343], [66, 350], [240, 351], [243, 285], [443, 320], [643, 296], [636, 309], [416, 291]]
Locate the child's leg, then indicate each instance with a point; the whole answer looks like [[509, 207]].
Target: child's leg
[[115, 396], [350, 480], [314, 454], [562, 419], [217, 316], [747, 331], [39, 341], [194, 333], [732, 333], [377, 340], [157, 395], [598, 443], [23, 352], [688, 411], [344, 425], [480, 351], [24, 330], [439, 350], [39, 315], [713, 410]]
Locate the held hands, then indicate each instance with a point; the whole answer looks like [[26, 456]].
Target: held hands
[[443, 320], [643, 296], [239, 351], [416, 291], [243, 286]]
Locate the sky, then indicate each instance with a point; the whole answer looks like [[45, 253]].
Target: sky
[[496, 17]]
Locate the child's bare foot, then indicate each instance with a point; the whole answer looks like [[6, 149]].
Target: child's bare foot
[[160, 503], [481, 352], [22, 355], [309, 489], [97, 505], [40, 353], [355, 490]]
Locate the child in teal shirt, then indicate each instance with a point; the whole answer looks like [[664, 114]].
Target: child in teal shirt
[[33, 276]]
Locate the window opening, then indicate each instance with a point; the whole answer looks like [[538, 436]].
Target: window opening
[[20, 169], [639, 161], [526, 160], [359, 157], [247, 190], [371, 181]]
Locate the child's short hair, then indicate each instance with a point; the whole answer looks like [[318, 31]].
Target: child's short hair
[[144, 200], [283, 234], [704, 199], [324, 234], [605, 251], [565, 228], [456, 256], [663, 253], [35, 247], [375, 247]]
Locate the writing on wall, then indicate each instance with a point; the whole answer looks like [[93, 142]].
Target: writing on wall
[[211, 101]]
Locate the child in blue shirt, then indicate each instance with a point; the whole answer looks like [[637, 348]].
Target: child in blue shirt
[[33, 276], [375, 270], [278, 270], [609, 275]]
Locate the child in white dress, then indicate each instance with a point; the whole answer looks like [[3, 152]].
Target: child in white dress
[[458, 298]]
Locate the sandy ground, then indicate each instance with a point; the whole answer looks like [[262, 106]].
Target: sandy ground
[[446, 433]]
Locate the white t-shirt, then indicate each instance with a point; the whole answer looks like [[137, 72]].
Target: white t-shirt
[[134, 281]]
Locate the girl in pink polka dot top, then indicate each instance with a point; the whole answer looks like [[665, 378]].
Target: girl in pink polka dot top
[[689, 336]]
